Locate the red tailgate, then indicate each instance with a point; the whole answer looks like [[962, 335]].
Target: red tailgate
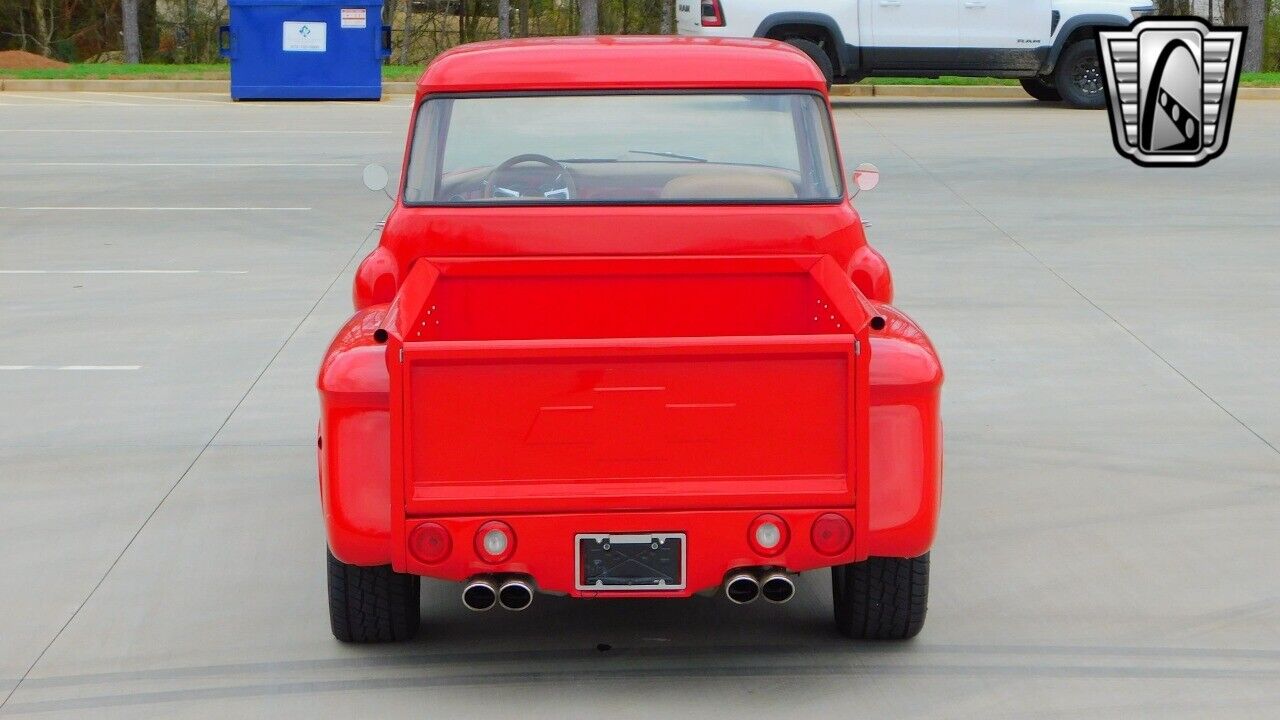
[[660, 383]]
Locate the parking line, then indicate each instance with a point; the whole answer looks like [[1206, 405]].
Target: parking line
[[148, 96], [124, 272], [77, 101], [70, 367], [153, 209], [182, 131], [174, 164]]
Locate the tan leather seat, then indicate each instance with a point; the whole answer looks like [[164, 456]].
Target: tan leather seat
[[729, 186]]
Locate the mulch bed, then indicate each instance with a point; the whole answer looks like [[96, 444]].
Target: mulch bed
[[21, 60]]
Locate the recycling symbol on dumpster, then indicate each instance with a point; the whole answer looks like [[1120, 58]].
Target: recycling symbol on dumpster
[[304, 31]]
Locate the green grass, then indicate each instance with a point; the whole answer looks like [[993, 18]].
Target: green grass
[[210, 71], [401, 73], [114, 71], [1260, 79], [409, 73]]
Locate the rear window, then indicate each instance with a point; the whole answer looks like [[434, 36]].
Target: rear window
[[623, 148]]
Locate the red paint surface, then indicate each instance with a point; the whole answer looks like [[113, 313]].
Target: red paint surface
[[597, 369]]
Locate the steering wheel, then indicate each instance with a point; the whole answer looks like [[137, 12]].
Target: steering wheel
[[563, 187]]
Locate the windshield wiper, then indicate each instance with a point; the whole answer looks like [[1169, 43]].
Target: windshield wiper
[[676, 156]]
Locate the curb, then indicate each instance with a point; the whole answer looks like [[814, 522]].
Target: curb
[[1258, 93], [990, 91], [408, 88], [157, 86]]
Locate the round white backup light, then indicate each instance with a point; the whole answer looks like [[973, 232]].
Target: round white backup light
[[495, 542], [768, 535]]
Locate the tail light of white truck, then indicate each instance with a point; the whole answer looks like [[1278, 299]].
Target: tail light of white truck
[[712, 14]]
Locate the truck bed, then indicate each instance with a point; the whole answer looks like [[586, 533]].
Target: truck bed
[[646, 383]]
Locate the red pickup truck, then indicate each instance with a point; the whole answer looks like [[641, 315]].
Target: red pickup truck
[[623, 337]]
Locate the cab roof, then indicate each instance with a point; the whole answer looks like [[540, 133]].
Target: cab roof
[[628, 62]]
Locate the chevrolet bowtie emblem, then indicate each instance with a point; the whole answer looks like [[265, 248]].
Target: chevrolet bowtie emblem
[[1171, 87]]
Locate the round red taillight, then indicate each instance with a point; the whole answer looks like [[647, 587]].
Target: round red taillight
[[430, 543], [495, 541], [768, 535], [831, 534]]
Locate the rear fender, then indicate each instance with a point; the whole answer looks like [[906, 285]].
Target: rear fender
[[355, 435], [870, 273], [1086, 22], [905, 438]]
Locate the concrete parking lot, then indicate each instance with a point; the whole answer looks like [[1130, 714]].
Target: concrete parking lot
[[172, 267]]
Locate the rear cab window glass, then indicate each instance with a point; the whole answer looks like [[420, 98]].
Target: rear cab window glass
[[704, 147]]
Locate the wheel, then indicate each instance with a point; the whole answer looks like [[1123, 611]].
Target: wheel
[[1041, 89], [1078, 76], [881, 598], [817, 55], [372, 604]]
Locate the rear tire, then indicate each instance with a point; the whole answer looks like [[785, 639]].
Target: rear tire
[[881, 598], [1041, 89], [817, 55], [1078, 76], [372, 604]]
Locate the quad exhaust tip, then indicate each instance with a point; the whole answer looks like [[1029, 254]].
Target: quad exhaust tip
[[742, 588], [777, 587], [515, 595], [479, 595]]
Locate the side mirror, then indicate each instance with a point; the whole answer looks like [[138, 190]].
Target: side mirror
[[865, 177], [376, 177]]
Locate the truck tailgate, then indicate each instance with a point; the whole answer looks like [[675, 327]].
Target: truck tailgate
[[549, 385]]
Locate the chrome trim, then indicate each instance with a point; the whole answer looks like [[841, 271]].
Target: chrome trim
[[779, 579], [515, 584], [480, 583], [742, 577]]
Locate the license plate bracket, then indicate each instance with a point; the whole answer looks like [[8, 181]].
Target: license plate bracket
[[630, 562]]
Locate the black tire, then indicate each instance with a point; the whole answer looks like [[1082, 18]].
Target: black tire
[[817, 55], [372, 604], [1041, 89], [881, 598], [1078, 76]]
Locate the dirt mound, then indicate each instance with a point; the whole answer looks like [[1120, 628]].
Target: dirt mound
[[22, 60]]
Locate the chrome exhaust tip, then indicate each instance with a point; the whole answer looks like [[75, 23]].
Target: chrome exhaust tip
[[479, 595], [777, 587], [742, 588], [515, 595]]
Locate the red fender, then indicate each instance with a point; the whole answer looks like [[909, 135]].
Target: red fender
[[905, 438]]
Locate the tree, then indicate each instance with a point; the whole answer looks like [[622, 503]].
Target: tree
[[43, 21], [589, 20], [1254, 15], [407, 32], [129, 24], [504, 19]]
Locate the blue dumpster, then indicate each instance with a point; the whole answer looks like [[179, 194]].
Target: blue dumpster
[[305, 49]]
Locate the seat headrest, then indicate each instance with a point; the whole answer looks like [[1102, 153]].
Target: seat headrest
[[729, 186]]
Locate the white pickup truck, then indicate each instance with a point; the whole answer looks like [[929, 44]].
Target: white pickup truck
[[1050, 45]]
